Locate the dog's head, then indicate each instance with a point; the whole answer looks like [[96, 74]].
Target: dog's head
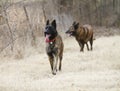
[[50, 31], [72, 30]]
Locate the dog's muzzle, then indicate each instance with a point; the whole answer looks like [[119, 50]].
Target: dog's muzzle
[[69, 33], [48, 40]]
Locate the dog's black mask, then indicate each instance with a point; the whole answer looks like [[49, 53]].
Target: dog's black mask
[[50, 30]]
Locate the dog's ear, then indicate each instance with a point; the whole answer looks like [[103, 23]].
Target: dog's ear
[[47, 23], [76, 26], [74, 23], [54, 24]]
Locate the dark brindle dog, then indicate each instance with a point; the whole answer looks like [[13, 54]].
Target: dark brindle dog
[[54, 46], [83, 34]]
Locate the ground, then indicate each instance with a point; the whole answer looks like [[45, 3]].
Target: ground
[[97, 70]]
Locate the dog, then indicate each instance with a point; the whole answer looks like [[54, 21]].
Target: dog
[[54, 46], [82, 34]]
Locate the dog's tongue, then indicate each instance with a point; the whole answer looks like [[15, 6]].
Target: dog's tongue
[[47, 38], [69, 35]]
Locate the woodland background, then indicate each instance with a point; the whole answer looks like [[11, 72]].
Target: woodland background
[[22, 22]]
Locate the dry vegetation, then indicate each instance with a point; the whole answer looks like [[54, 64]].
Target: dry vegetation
[[24, 64], [22, 21], [97, 70]]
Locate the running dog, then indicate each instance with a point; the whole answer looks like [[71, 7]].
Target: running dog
[[83, 34], [54, 45]]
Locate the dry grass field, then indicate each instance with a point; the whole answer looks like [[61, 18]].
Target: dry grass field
[[97, 70], [24, 65]]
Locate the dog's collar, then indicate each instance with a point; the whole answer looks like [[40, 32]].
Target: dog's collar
[[51, 41]]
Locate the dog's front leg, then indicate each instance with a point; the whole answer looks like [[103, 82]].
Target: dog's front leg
[[55, 64], [81, 45], [82, 48], [87, 46], [51, 59]]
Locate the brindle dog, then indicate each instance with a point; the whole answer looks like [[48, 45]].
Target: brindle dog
[[83, 34], [54, 46]]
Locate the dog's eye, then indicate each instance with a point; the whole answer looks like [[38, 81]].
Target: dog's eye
[[71, 28]]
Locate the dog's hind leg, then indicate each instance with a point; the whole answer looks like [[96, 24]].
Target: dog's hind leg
[[91, 42]]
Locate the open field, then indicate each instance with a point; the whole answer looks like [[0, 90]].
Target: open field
[[97, 70]]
